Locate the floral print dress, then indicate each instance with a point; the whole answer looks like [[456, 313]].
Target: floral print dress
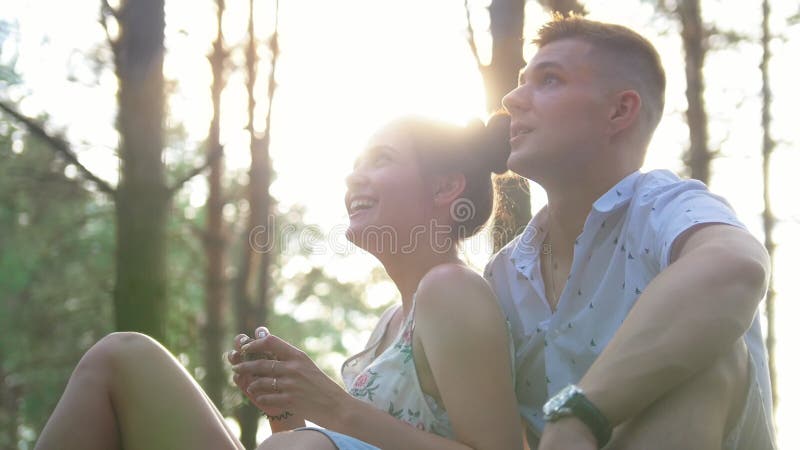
[[389, 381]]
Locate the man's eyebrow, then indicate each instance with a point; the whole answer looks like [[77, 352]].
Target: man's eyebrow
[[538, 67]]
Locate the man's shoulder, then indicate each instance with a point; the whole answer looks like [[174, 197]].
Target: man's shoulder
[[663, 181], [658, 188]]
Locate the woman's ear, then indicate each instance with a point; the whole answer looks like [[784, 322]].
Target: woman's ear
[[447, 188]]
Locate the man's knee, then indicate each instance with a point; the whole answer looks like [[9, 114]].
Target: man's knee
[[696, 413], [297, 440], [729, 376]]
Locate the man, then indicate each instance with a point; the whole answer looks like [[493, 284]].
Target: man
[[631, 296]]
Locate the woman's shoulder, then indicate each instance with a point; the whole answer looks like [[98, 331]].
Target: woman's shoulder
[[454, 285], [451, 276]]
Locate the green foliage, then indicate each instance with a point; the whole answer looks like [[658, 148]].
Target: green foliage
[[56, 276], [57, 249], [8, 76], [56, 241], [339, 307]]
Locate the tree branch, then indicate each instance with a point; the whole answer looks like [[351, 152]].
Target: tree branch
[[196, 171], [105, 11], [60, 146], [471, 35]]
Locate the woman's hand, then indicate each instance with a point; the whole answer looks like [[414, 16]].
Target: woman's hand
[[243, 380], [290, 382]]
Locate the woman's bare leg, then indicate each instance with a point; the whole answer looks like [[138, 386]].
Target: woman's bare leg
[[128, 392], [297, 440]]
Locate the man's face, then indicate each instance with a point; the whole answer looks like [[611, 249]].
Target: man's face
[[559, 112]]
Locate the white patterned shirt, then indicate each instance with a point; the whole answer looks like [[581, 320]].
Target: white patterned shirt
[[389, 381], [625, 242]]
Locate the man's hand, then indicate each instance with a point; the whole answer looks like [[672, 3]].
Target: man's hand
[[567, 433]]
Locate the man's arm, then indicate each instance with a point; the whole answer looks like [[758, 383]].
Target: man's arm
[[688, 316]]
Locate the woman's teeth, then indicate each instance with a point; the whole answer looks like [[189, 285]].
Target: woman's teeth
[[357, 205]]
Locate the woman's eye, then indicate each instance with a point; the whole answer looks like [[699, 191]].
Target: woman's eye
[[380, 159], [550, 79]]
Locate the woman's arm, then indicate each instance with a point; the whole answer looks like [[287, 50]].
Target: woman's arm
[[465, 341], [464, 338]]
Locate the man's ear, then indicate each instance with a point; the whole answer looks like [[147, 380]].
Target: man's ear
[[447, 188], [625, 110]]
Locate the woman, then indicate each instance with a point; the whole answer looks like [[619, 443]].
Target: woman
[[440, 361]]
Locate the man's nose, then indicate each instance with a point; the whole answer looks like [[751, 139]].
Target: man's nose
[[515, 100]]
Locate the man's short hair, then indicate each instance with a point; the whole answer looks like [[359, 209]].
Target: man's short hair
[[625, 53]]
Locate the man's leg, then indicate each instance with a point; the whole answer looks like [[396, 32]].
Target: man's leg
[[696, 414]]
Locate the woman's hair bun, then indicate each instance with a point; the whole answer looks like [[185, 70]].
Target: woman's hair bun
[[496, 143], [490, 145]]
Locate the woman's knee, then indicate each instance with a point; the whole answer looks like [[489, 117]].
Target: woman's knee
[[105, 355], [297, 440]]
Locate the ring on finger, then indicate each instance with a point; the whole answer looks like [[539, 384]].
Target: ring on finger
[[275, 384], [272, 368]]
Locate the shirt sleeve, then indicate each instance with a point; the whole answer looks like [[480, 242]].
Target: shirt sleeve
[[672, 209]]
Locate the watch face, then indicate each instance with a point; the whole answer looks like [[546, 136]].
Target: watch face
[[556, 407]]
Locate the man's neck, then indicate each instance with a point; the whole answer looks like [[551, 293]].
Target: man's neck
[[568, 207]]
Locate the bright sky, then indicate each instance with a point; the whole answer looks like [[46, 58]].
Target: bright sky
[[346, 67]]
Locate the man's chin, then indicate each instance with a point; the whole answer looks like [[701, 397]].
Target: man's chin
[[520, 165]]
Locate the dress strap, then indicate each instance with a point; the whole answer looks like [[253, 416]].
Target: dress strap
[[376, 336]]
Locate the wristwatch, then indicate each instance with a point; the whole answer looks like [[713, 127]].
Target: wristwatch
[[570, 401]]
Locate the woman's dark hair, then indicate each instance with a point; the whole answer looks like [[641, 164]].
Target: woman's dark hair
[[476, 150]]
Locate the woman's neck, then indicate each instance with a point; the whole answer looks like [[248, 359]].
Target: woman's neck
[[407, 269]]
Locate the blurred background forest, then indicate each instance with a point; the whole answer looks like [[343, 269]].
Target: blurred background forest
[[176, 167]]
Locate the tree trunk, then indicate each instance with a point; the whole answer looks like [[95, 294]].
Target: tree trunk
[[251, 292], [698, 157], [10, 396], [214, 239], [502, 74], [500, 77], [768, 145], [142, 198]]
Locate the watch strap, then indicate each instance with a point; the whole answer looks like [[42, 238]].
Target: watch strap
[[586, 412]]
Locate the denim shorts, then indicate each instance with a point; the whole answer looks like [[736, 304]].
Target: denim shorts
[[342, 441]]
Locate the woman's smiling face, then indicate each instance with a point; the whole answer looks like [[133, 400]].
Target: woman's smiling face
[[387, 196]]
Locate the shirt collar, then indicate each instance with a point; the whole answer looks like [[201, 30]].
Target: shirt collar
[[527, 246], [619, 195]]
